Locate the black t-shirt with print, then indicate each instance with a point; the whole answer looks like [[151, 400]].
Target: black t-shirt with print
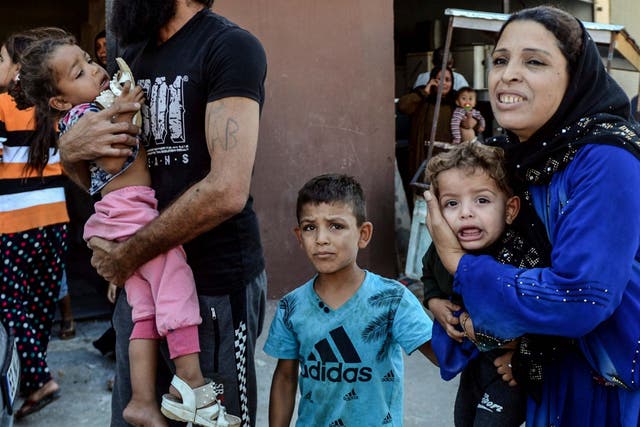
[[208, 59]]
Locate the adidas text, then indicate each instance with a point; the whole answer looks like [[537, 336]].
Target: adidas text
[[335, 374]]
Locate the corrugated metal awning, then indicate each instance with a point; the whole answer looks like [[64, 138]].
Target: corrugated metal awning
[[617, 47]]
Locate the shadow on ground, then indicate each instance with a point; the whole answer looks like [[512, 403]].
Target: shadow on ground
[[83, 372]]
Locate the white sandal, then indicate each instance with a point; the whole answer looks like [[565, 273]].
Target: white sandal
[[198, 406]]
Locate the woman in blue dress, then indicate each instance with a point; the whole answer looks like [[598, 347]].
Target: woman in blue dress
[[573, 155]]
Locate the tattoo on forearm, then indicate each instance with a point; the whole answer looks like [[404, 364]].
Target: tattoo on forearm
[[231, 132]]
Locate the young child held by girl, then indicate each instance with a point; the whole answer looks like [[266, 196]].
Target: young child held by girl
[[479, 205], [466, 104], [63, 82], [341, 334]]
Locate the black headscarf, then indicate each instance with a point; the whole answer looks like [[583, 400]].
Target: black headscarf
[[594, 110]]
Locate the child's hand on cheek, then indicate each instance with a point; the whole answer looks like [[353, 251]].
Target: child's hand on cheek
[[443, 237]]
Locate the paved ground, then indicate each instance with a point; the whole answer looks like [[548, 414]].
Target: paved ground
[[85, 402]]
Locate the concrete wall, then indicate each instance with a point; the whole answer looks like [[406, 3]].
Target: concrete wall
[[329, 108]]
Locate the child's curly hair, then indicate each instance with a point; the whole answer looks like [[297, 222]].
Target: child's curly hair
[[36, 85], [470, 156]]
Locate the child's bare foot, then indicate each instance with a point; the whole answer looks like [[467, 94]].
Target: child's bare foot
[[192, 384], [144, 414], [200, 404]]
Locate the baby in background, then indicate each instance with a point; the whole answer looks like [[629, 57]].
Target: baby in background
[[466, 103]]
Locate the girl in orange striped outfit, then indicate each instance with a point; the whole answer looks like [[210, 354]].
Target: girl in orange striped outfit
[[33, 229]]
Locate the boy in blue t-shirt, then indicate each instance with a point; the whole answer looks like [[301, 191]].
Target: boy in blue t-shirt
[[340, 336]]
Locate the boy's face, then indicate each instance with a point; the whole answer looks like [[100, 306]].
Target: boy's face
[[466, 100], [474, 207], [331, 237]]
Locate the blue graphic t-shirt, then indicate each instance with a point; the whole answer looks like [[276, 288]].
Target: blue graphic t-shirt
[[351, 365]]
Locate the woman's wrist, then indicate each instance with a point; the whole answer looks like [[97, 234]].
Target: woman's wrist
[[451, 261]]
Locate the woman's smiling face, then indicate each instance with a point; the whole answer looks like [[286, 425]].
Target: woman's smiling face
[[528, 79]]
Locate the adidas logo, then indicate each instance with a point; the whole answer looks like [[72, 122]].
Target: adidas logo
[[389, 377], [324, 352], [330, 357], [336, 423], [352, 395], [387, 419]]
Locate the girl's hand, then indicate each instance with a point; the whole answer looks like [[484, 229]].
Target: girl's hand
[[131, 95], [467, 326], [469, 122], [503, 365], [447, 244], [111, 293], [442, 310]]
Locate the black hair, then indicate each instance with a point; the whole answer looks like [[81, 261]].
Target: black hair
[[448, 98], [44, 137], [101, 35], [438, 56], [565, 28], [139, 20], [333, 188], [466, 89]]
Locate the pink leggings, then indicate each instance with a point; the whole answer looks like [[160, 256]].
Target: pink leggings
[[161, 292]]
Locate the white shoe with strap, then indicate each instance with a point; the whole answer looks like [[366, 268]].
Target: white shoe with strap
[[198, 406]]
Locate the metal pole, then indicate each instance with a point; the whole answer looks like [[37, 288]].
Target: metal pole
[[443, 70], [636, 114], [112, 45], [612, 48]]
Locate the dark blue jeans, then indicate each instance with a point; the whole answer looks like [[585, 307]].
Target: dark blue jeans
[[230, 327]]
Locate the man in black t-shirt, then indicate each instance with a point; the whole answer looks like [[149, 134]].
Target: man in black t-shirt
[[204, 82]]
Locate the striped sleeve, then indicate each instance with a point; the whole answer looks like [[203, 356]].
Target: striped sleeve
[[27, 200], [456, 118]]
